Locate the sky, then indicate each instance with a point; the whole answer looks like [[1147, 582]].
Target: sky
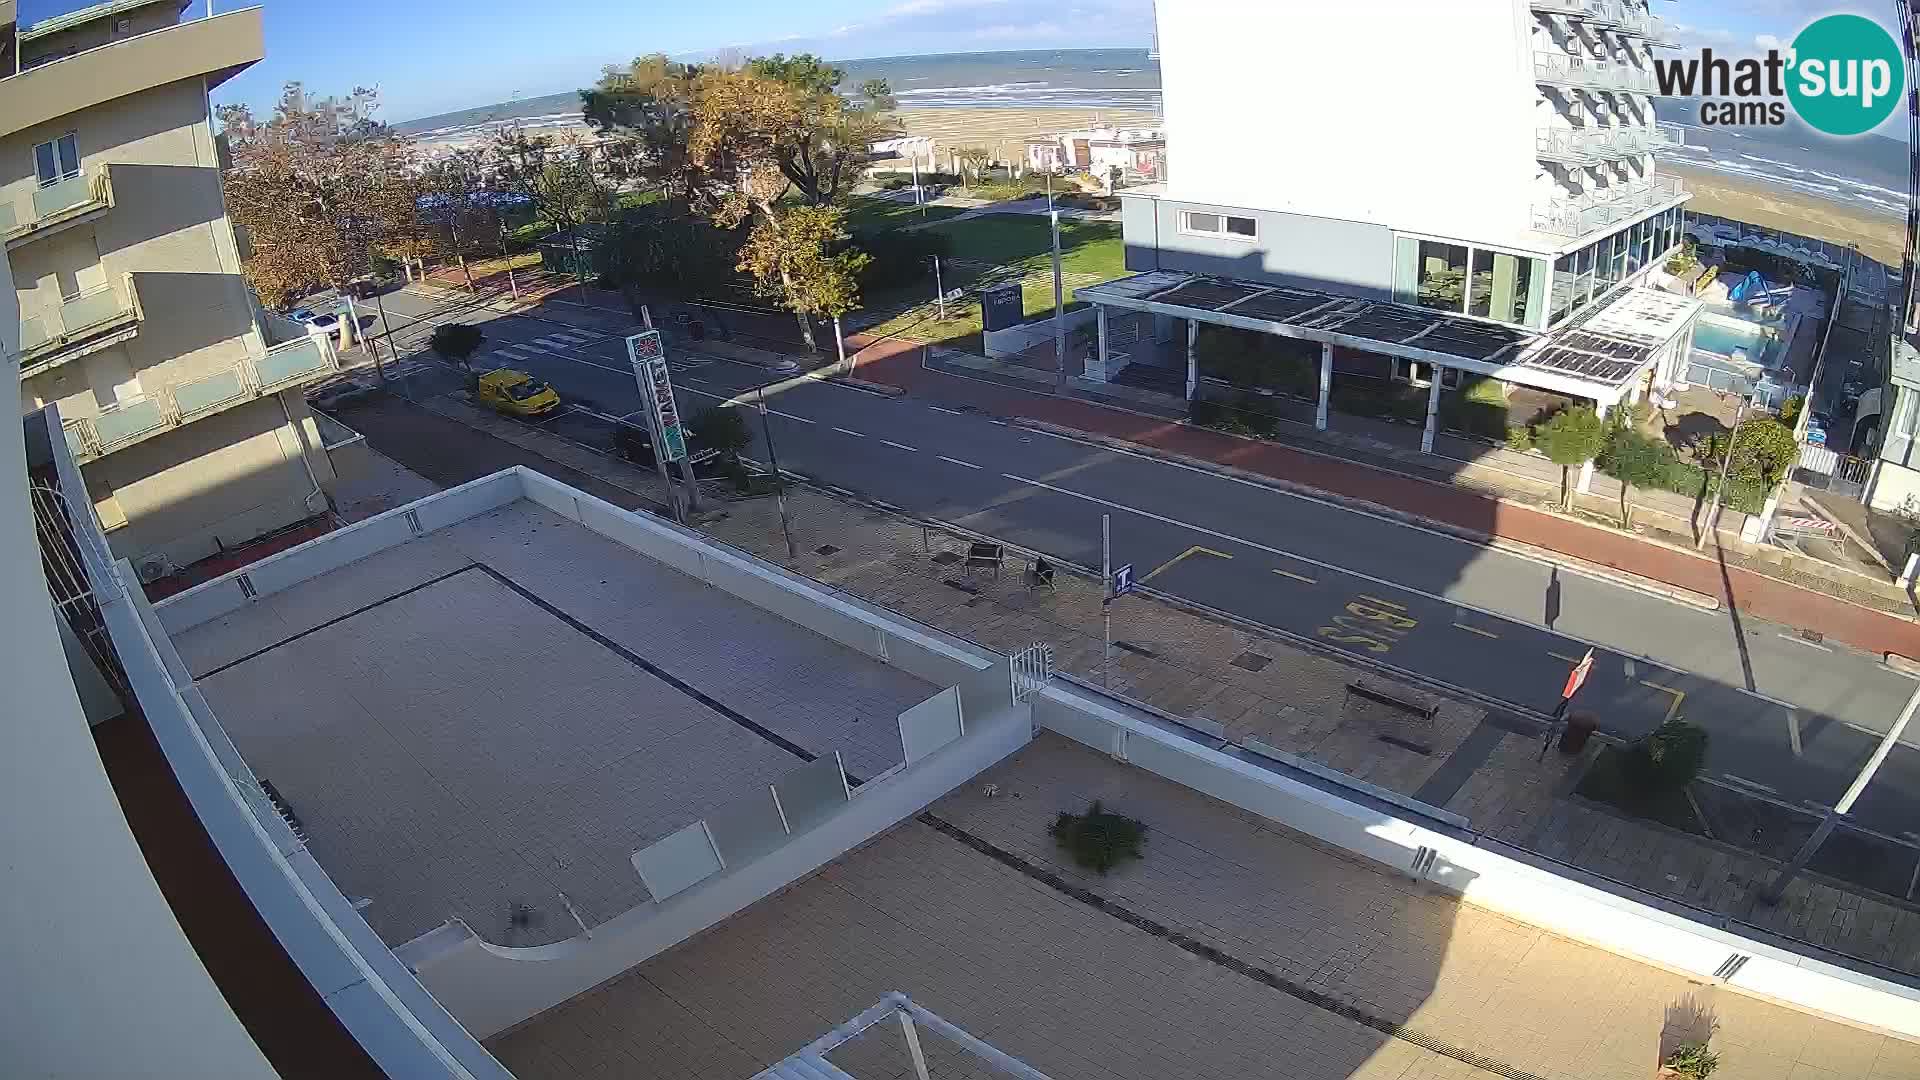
[[432, 56]]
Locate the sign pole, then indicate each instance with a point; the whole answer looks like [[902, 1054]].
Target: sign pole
[[779, 481], [940, 292], [1575, 680], [649, 359], [1059, 306], [1106, 602]]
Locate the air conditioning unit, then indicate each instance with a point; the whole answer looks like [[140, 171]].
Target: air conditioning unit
[[152, 568]]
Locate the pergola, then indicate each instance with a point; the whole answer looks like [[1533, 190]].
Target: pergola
[[1599, 355]]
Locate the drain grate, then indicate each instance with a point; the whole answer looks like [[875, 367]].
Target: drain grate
[[1252, 661], [826, 549]]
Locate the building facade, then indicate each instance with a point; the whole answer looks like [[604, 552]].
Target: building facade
[[134, 319], [1491, 162]]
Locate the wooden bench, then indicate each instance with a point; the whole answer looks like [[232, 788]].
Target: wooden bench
[[1382, 697]]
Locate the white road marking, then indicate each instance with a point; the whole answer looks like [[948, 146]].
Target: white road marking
[[957, 461], [1798, 640], [1746, 783], [949, 412], [1793, 731], [849, 431], [899, 445]]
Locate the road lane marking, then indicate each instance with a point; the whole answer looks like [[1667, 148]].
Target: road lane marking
[[1368, 625], [900, 445], [1793, 731], [1296, 577], [1746, 783], [790, 416], [1673, 708], [949, 412], [1192, 551], [1476, 630], [1798, 640], [850, 431], [957, 461]]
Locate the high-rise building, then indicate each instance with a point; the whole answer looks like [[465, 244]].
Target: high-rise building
[[133, 316], [1335, 171]]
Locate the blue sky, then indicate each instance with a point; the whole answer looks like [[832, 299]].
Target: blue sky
[[429, 56]]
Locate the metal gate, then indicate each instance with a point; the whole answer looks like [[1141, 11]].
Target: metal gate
[[1841, 474]]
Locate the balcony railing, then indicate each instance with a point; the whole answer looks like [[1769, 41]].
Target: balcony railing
[[55, 204], [47, 335], [1667, 136], [170, 406], [1592, 211], [1554, 68], [1590, 146]]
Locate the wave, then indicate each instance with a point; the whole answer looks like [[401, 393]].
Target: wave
[[1861, 184], [992, 88], [1770, 161]]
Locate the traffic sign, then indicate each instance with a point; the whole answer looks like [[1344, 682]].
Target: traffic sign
[[1577, 676], [1121, 583], [649, 359]]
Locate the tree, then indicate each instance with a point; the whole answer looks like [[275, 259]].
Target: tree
[[721, 429], [1667, 758], [825, 141], [555, 176], [1571, 438], [1636, 460], [650, 102], [972, 160], [458, 201], [458, 342], [1790, 409], [802, 261], [318, 186]]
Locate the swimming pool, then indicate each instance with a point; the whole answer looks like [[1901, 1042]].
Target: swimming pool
[[1719, 335]]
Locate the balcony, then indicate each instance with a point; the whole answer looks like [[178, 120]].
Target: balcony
[[171, 406], [1666, 136], [78, 325], [1605, 14], [1594, 211], [1580, 147], [55, 206]]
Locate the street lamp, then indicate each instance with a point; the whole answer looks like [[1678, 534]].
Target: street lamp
[[1059, 306], [1726, 463]]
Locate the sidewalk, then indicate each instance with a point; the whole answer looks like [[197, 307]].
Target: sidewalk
[[1254, 686], [1741, 582]]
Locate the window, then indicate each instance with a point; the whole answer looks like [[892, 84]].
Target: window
[[1230, 226], [1903, 413], [1480, 284], [1609, 263], [57, 160], [1563, 282], [1443, 276], [1412, 371], [1583, 276]]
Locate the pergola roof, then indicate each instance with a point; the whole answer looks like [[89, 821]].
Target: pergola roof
[[1593, 357]]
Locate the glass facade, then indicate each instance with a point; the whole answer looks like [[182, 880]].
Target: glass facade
[[1581, 277], [1470, 280]]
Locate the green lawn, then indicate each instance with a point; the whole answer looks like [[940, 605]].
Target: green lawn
[[1022, 241], [868, 214]]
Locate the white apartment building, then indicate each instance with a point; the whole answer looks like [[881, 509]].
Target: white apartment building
[[133, 317], [1333, 168]]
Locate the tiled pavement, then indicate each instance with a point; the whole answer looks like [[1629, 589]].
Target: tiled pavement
[[1297, 702], [1326, 967]]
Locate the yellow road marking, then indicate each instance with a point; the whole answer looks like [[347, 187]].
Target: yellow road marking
[[1476, 630], [1382, 603], [1679, 696], [1296, 577], [1194, 550]]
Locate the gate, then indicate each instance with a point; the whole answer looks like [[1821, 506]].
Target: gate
[[1841, 474]]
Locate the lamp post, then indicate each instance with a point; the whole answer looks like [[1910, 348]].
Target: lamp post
[[779, 481], [1726, 464], [1059, 307]]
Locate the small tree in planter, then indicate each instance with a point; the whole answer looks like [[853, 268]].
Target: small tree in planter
[[1691, 1062], [1669, 758], [1636, 460], [1571, 438], [458, 342], [725, 430], [1099, 840]]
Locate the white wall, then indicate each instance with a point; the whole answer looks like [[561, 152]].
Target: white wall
[[1410, 113], [1482, 876]]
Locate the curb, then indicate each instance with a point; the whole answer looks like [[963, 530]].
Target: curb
[[1525, 551], [1902, 664]]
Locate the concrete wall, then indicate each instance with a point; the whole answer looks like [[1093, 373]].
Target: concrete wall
[[1475, 869], [1037, 331], [97, 32], [1407, 113], [1348, 257], [215, 483]]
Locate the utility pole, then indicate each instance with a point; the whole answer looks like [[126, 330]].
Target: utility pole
[[386, 331], [1059, 306], [779, 481], [1106, 600], [1777, 888], [1726, 464], [939, 291], [840, 345]]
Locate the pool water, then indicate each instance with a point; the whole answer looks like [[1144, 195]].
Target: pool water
[[1723, 336]]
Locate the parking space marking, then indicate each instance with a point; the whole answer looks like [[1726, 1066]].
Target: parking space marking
[[1189, 553], [1673, 707], [1793, 731], [1476, 630], [1798, 640], [1296, 577]]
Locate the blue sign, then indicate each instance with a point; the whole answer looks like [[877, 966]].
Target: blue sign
[[1122, 581]]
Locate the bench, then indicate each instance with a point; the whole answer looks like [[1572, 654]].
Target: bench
[[1382, 697], [985, 555]]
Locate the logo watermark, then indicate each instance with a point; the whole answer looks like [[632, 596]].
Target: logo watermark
[[1843, 75]]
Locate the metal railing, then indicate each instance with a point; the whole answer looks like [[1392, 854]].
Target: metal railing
[[84, 190], [45, 332], [1566, 69], [1667, 136], [1589, 146], [1594, 210], [169, 406]]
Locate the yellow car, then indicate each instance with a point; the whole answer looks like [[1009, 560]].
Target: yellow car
[[517, 393]]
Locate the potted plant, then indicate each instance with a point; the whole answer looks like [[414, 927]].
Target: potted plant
[[1099, 839], [1690, 1062]]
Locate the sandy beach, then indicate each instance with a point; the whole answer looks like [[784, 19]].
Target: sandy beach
[[1004, 131], [1880, 236]]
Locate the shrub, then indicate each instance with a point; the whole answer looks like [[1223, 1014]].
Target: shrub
[[1667, 759], [1693, 1061], [1790, 409], [1519, 437], [898, 257], [1571, 438], [1205, 411], [721, 429], [1098, 840]]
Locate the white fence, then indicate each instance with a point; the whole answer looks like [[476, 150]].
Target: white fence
[[1015, 340]]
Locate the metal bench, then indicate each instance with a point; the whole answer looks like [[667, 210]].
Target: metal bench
[[984, 555]]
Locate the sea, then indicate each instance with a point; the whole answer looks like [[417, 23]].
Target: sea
[[1868, 172]]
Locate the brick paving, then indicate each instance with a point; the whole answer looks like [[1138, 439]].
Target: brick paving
[[1233, 948]]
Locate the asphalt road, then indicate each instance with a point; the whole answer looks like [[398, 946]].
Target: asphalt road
[[1787, 718]]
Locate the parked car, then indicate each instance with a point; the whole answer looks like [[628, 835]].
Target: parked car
[[517, 393], [635, 443], [328, 324], [1817, 429]]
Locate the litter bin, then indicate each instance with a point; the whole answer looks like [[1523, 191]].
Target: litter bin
[[1580, 727]]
